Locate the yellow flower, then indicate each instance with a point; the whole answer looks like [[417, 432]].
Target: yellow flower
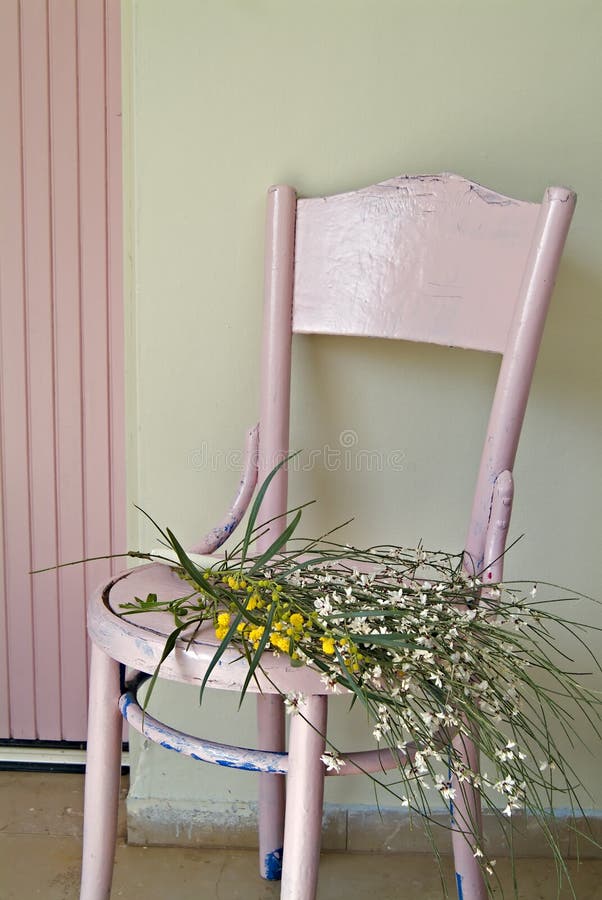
[[297, 620], [221, 633], [252, 601], [328, 645], [223, 619], [256, 634], [279, 641]]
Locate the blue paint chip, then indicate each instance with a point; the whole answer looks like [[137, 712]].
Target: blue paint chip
[[126, 701], [459, 886], [272, 865], [232, 764]]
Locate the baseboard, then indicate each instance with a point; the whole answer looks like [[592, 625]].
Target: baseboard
[[355, 829], [48, 756]]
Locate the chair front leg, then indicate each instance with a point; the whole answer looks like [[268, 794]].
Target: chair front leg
[[304, 800], [272, 788], [467, 826], [103, 770]]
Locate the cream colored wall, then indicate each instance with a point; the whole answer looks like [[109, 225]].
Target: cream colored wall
[[225, 97]]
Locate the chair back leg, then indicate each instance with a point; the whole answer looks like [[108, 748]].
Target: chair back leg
[[467, 827], [272, 788]]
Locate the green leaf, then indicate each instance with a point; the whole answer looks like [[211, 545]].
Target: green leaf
[[257, 656], [277, 544], [257, 504], [150, 519], [190, 568], [234, 551], [383, 640], [220, 652], [170, 643]]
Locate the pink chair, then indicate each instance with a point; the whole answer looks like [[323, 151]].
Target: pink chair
[[426, 258]]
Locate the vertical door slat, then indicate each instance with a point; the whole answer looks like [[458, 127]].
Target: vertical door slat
[[93, 242], [15, 482], [115, 280], [65, 234], [40, 358]]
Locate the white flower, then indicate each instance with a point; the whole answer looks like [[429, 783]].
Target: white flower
[[292, 702], [421, 768], [331, 682], [507, 753], [332, 761], [323, 605], [445, 789]]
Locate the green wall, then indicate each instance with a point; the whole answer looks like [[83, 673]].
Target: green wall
[[223, 98]]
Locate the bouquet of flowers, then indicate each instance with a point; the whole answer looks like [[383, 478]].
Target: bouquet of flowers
[[415, 637]]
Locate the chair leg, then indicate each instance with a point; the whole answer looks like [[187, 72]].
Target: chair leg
[[304, 801], [103, 769], [271, 736], [467, 827]]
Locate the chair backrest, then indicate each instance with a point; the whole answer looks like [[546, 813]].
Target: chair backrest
[[432, 258]]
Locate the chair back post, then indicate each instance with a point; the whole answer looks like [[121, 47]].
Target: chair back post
[[274, 419], [276, 354], [518, 363]]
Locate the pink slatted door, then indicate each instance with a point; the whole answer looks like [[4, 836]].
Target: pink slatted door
[[63, 489]]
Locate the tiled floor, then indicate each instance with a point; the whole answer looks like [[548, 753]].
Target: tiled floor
[[40, 827]]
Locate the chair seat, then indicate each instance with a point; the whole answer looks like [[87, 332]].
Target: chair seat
[[137, 640]]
